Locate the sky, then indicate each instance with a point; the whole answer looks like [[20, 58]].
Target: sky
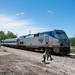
[[32, 16]]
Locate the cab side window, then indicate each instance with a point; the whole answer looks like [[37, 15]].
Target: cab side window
[[36, 35]]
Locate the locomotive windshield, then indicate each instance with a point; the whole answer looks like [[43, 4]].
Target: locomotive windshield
[[60, 35]]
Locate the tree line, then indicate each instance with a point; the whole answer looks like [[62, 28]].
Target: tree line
[[7, 35], [72, 41]]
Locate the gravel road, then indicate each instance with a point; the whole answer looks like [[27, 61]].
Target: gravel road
[[21, 62]]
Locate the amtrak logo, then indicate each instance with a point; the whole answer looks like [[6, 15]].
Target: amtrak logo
[[40, 40]]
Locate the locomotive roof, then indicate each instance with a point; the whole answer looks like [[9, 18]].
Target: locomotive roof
[[24, 36]]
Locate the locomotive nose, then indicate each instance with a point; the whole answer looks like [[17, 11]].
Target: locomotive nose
[[64, 42]]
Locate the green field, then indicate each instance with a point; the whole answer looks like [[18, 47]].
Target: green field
[[73, 50]]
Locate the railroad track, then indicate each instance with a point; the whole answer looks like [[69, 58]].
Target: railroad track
[[71, 55]]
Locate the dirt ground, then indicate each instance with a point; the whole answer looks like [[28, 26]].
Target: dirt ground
[[20, 62]]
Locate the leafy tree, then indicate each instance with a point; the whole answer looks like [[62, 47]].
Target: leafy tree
[[72, 41], [10, 35], [2, 35]]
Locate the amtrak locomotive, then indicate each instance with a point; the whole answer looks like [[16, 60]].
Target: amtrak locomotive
[[55, 40]]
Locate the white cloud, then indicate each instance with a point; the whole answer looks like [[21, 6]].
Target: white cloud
[[17, 14], [20, 13], [16, 23], [10, 24], [5, 19], [50, 12]]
